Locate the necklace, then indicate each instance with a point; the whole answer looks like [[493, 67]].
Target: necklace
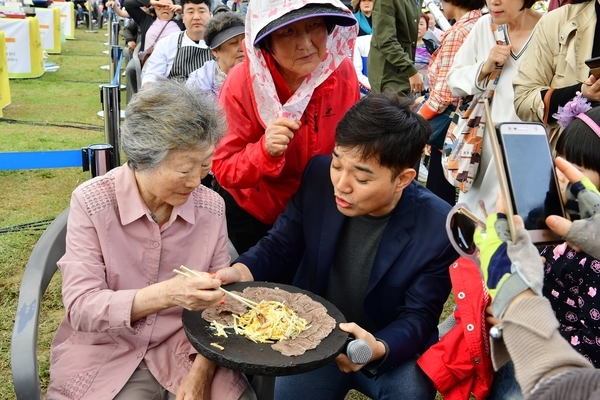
[[153, 217]]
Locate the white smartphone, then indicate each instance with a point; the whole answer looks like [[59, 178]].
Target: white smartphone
[[531, 177]]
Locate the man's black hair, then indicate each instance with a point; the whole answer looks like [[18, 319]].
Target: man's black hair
[[207, 2], [383, 127]]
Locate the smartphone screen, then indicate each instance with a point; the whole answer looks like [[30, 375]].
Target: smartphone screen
[[531, 177]]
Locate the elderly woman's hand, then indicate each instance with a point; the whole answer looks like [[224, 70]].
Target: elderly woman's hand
[[194, 293], [278, 134], [196, 385]]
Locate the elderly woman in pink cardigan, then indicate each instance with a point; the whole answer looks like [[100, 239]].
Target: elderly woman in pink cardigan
[[122, 336]]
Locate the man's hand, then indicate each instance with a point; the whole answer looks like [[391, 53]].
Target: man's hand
[[238, 272], [196, 384], [131, 44], [416, 83], [377, 347], [278, 135], [590, 89]]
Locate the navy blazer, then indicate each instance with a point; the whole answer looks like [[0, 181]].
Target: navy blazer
[[409, 281]]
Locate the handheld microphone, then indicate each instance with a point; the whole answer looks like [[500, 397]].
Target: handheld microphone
[[358, 351]]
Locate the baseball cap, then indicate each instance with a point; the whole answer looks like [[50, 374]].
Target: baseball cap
[[221, 37], [231, 25]]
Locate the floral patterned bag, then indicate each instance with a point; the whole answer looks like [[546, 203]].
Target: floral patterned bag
[[462, 146]]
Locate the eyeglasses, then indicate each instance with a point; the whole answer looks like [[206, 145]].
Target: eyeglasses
[[460, 227]]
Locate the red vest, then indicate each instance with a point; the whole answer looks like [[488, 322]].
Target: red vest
[[460, 364]]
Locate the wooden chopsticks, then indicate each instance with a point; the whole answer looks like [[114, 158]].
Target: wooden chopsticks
[[183, 270]]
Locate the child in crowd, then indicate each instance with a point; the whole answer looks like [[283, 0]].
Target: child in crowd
[[572, 279]]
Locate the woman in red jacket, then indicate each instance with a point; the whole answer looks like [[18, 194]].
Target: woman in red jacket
[[283, 103]]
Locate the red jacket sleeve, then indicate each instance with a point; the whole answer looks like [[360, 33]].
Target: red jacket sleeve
[[241, 158]]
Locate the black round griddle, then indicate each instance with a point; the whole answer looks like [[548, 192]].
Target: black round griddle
[[243, 355]]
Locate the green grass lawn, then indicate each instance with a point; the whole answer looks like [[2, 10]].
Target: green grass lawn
[[56, 111]]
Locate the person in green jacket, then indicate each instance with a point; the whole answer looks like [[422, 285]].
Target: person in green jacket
[[392, 54]]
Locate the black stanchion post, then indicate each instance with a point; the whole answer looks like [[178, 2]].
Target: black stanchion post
[[114, 28], [110, 39], [113, 33], [111, 105]]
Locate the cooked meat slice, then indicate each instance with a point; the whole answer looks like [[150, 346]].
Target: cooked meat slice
[[222, 312], [289, 347], [211, 314]]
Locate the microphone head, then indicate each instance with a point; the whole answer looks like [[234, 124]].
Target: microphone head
[[359, 351]]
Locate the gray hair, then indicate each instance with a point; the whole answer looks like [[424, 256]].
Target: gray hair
[[168, 115], [219, 23]]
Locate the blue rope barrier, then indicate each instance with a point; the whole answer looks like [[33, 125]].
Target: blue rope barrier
[[40, 159], [115, 80]]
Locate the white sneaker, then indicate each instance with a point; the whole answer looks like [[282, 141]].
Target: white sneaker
[[423, 172]]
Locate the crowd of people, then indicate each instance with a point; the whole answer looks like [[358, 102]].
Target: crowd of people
[[295, 130]]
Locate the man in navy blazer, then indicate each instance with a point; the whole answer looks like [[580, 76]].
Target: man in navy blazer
[[362, 233]]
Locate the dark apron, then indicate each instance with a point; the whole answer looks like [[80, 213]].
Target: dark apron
[[188, 59]]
